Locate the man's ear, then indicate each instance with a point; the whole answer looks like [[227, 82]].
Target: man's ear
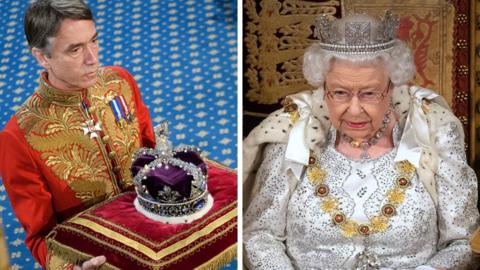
[[41, 57]]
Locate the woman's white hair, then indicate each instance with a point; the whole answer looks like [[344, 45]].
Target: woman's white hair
[[397, 60]]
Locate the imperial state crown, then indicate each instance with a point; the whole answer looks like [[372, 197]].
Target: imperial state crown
[[171, 183]]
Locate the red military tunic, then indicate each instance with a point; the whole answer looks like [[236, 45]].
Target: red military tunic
[[63, 152]]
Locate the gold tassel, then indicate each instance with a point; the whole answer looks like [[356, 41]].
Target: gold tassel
[[67, 254], [220, 260]]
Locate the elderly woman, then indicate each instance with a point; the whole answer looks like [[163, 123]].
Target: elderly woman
[[364, 173]]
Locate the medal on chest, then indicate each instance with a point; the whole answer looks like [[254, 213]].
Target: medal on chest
[[120, 110], [90, 127]]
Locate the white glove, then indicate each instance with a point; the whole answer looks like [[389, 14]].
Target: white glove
[[91, 264]]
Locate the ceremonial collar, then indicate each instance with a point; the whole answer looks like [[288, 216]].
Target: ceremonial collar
[[55, 95], [415, 137]]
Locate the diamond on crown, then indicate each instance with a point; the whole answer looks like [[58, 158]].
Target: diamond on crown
[[358, 37], [171, 183]]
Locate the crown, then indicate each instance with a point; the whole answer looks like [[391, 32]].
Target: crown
[[357, 33], [171, 184]]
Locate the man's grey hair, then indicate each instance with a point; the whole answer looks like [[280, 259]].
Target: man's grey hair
[[44, 17]]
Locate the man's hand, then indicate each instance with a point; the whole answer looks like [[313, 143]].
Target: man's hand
[[91, 264]]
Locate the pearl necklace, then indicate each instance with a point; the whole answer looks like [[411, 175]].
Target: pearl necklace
[[331, 205], [366, 144]]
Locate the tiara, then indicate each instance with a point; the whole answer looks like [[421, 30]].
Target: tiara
[[171, 184], [357, 34]]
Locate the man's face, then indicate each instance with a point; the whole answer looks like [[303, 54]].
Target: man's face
[[73, 61]]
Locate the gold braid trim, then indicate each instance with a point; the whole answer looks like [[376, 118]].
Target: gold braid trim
[[60, 141], [188, 231], [62, 255], [124, 137], [221, 259], [69, 253], [204, 243], [151, 253], [53, 121], [225, 217]]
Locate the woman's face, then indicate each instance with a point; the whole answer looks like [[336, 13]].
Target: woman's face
[[358, 97]]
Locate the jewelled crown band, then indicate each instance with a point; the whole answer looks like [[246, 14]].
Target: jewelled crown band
[[171, 184], [357, 34]]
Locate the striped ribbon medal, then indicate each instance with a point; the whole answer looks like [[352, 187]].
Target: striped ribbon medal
[[120, 110]]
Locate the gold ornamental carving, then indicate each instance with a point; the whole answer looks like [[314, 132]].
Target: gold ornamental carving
[[276, 36]]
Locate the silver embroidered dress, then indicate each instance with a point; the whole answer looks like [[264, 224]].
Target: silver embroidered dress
[[285, 227]]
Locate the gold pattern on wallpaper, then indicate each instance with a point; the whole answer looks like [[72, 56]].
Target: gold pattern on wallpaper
[[276, 35], [427, 27]]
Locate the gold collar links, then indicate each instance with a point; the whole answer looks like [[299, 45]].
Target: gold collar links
[[331, 204]]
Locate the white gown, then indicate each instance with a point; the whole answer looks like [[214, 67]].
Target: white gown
[[285, 228]]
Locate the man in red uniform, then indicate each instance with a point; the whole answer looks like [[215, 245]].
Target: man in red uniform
[[70, 144]]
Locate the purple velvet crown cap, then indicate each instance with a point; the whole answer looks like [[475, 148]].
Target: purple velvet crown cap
[[169, 183], [140, 162]]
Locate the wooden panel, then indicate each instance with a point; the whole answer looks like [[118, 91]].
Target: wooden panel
[[276, 33]]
